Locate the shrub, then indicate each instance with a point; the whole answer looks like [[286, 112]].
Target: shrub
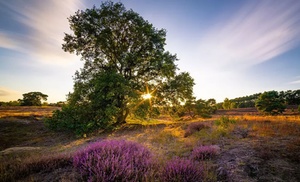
[[270, 103], [194, 127], [224, 121], [78, 120], [182, 170], [204, 152], [299, 108], [113, 160], [176, 111]]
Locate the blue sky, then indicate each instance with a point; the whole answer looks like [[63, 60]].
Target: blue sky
[[231, 48]]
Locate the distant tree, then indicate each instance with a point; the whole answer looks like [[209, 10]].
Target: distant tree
[[270, 103], [123, 53], [211, 104], [219, 105], [226, 103], [190, 108], [14, 103], [292, 97], [233, 105], [245, 101], [175, 92], [33, 99], [202, 108], [10, 103], [60, 103]]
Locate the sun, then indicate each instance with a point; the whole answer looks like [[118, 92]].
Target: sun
[[146, 96]]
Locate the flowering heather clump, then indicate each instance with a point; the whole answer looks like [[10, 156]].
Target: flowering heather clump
[[204, 152], [194, 127], [183, 170], [113, 160]]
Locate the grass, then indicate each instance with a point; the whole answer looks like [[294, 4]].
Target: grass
[[249, 146], [27, 111]]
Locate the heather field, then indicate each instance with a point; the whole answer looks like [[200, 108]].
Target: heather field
[[233, 145]]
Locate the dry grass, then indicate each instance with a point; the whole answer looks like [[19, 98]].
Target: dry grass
[[27, 111]]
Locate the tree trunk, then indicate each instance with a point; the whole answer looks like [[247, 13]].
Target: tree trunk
[[121, 119]]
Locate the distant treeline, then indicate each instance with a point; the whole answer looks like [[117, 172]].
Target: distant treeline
[[290, 97], [19, 103]]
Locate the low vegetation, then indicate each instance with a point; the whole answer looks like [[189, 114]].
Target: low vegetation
[[114, 160], [182, 170], [232, 145]]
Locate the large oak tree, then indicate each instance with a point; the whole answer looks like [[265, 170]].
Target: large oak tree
[[123, 56]]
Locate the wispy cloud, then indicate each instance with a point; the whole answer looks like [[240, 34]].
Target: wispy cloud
[[259, 31], [7, 41], [296, 81], [45, 23], [7, 94]]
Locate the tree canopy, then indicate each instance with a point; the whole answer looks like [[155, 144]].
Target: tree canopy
[[33, 99], [200, 107], [270, 103], [290, 97], [124, 58]]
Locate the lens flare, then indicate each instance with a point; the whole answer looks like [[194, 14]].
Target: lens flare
[[146, 96]]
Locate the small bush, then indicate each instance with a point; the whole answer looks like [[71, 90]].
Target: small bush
[[194, 127], [225, 121], [204, 152], [72, 118], [113, 160], [182, 170]]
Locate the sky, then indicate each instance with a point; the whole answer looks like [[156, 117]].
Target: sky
[[231, 48]]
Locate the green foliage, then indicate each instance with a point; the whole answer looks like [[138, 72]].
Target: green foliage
[[190, 108], [146, 111], [33, 99], [177, 90], [290, 97], [124, 58], [10, 103], [60, 103], [99, 109], [299, 108], [142, 111], [202, 108], [174, 92], [176, 112], [225, 121], [270, 103], [226, 103], [245, 102]]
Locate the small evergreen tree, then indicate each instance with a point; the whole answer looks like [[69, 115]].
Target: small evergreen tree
[[270, 103]]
